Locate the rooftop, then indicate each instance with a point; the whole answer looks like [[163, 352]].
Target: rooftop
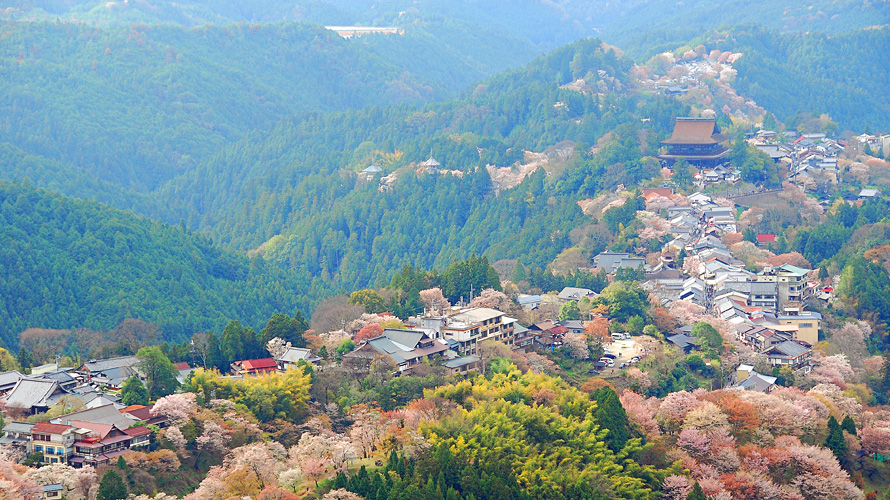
[[693, 131], [477, 315], [48, 428]]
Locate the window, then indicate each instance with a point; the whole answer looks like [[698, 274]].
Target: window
[[38, 449], [806, 325], [50, 450]]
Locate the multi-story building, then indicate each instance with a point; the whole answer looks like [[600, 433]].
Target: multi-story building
[[478, 324], [790, 283], [55, 441]]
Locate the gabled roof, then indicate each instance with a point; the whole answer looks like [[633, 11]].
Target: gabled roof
[[107, 414], [48, 428], [693, 131], [98, 430], [372, 169], [403, 338], [789, 349], [18, 427], [32, 392], [109, 363], [682, 341], [297, 354], [757, 382], [9, 379], [573, 293], [182, 366], [258, 364]]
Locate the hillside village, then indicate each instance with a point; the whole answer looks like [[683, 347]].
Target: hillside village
[[345, 260]]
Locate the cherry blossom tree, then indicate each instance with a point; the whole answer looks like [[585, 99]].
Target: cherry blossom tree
[[214, 439], [175, 437], [341, 494], [493, 299], [433, 299], [676, 487], [277, 347], [577, 345], [673, 410], [77, 482], [178, 408], [876, 439], [641, 411]]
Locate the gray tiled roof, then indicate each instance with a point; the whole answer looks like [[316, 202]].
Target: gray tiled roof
[[788, 348], [9, 379], [30, 392], [108, 414], [107, 364]]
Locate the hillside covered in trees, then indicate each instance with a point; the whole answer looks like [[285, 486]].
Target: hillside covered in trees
[[70, 263]]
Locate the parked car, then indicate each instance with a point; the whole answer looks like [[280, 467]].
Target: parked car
[[610, 364], [593, 371], [609, 355], [623, 365]]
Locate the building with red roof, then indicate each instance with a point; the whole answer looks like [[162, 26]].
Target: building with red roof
[[55, 441], [254, 366]]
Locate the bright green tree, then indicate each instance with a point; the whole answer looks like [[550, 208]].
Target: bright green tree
[[372, 301], [134, 392], [112, 487], [569, 311], [160, 374]]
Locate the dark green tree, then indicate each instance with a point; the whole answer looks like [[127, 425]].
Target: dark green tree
[[835, 440], [848, 425], [26, 361], [112, 487], [683, 173], [611, 415], [697, 493], [286, 328], [134, 392], [160, 374]]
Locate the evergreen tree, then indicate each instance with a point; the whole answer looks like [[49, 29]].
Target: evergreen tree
[[611, 415], [134, 392], [697, 493], [848, 425], [160, 374], [112, 487], [835, 440]]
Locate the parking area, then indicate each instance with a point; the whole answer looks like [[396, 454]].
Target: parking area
[[624, 351]]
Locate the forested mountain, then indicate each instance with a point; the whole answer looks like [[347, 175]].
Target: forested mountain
[[135, 106], [295, 190], [72, 263], [844, 74]]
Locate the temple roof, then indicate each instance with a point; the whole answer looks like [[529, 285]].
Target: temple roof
[[693, 131]]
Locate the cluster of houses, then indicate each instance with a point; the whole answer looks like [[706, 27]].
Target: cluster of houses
[[95, 435], [766, 307], [452, 337], [811, 160]]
